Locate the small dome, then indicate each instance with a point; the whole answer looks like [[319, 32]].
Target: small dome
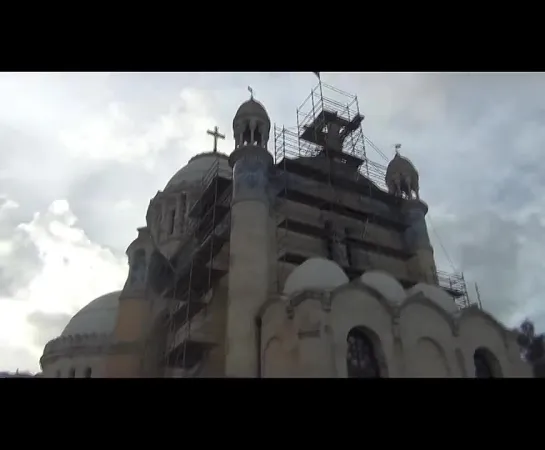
[[386, 285], [400, 164], [435, 294], [99, 316], [315, 273], [252, 108], [198, 167]]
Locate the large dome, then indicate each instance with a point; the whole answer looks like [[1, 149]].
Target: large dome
[[198, 167], [98, 317]]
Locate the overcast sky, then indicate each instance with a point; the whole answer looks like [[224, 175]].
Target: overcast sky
[[82, 155]]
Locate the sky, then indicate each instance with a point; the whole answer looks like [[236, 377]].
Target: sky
[[82, 154]]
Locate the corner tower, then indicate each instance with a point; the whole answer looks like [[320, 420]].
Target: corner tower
[[124, 359], [402, 180], [249, 241]]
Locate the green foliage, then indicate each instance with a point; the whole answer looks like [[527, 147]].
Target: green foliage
[[533, 347]]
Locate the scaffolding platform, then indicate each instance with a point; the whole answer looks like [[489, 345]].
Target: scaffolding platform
[[315, 133], [289, 150]]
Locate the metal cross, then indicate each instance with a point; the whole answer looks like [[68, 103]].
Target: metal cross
[[217, 136], [251, 92]]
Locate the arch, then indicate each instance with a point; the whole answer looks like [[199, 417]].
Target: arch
[[72, 373], [315, 273], [436, 295], [420, 299], [384, 284], [138, 267], [461, 363], [88, 372], [486, 364], [431, 361], [364, 356], [277, 362]]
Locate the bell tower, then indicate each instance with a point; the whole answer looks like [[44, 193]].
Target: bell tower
[[249, 240], [402, 180]]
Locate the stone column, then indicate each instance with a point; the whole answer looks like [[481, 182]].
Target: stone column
[[249, 257], [127, 347], [421, 266]]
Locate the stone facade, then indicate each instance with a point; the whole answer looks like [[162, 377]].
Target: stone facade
[[417, 332]]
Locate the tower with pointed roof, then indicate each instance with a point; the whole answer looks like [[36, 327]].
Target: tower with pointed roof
[[249, 268]]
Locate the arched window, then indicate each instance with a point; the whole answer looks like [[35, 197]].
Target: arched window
[[88, 372], [361, 358], [172, 221], [486, 364], [138, 269], [72, 373]]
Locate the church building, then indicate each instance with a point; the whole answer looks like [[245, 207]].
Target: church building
[[302, 260]]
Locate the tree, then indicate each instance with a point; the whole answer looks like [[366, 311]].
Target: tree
[[533, 347]]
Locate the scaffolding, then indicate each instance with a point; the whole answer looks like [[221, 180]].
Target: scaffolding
[[455, 285], [326, 105], [196, 274]]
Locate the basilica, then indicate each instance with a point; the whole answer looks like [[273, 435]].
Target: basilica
[[293, 256]]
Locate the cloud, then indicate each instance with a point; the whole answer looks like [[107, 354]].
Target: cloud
[[74, 268], [47, 326], [19, 259], [53, 270], [115, 135]]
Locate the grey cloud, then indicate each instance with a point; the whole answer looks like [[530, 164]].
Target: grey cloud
[[501, 255], [21, 267], [22, 263], [476, 140], [95, 196], [47, 326]]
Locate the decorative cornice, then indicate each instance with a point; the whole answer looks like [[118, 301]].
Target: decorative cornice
[[80, 344], [293, 301], [455, 320]]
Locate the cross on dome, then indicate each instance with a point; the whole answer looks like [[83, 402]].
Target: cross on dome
[[217, 135]]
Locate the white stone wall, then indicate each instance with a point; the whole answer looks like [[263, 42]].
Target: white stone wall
[[72, 356], [63, 367], [415, 333]]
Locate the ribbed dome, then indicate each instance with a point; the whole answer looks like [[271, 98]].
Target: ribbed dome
[[252, 108], [99, 316], [198, 167]]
